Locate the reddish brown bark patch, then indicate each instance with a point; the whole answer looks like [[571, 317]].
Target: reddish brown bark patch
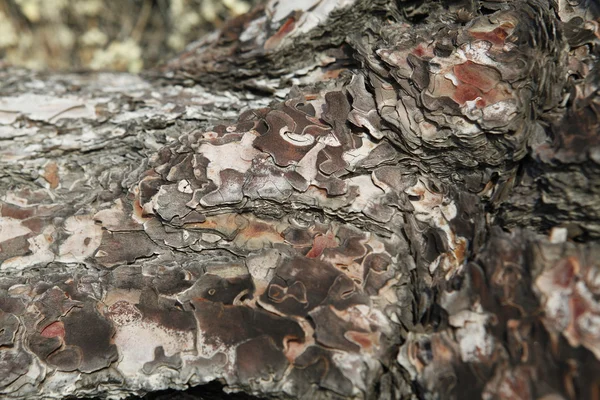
[[320, 243], [285, 29], [480, 76], [497, 37], [53, 330], [51, 174]]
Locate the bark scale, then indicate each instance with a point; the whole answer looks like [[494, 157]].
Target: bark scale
[[326, 199]]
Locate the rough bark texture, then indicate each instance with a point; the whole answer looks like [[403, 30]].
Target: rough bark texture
[[327, 199]]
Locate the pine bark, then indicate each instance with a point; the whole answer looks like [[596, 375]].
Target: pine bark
[[325, 199]]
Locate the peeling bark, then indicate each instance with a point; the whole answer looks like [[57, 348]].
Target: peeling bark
[[327, 199]]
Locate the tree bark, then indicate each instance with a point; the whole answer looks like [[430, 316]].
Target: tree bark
[[326, 199]]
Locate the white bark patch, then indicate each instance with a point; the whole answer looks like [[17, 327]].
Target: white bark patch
[[307, 166], [85, 238], [474, 341], [137, 341], [315, 11], [11, 228], [356, 367], [184, 186], [211, 237], [261, 267], [111, 218], [235, 155], [45, 108], [368, 192], [558, 235]]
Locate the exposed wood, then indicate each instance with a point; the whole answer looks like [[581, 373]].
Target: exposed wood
[[327, 199]]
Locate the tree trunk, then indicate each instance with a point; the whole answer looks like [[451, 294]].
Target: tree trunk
[[326, 199]]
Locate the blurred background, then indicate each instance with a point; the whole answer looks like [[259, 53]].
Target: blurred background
[[122, 35]]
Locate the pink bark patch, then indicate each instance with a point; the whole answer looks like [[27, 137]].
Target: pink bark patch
[[418, 51], [366, 340], [320, 243], [465, 93], [286, 28], [496, 37], [480, 76], [53, 330], [565, 272]]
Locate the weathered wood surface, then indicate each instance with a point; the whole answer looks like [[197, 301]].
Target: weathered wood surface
[[327, 199]]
